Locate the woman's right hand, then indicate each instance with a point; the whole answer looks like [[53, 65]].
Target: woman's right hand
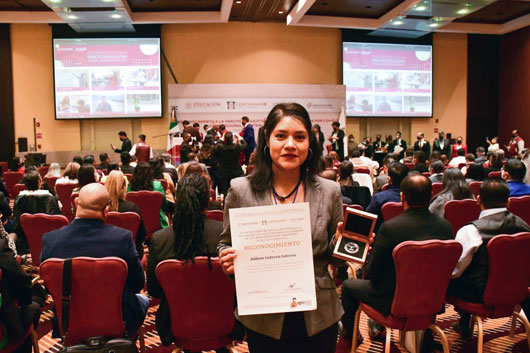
[[226, 259]]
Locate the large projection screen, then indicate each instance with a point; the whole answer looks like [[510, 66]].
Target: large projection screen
[[107, 78], [387, 80]]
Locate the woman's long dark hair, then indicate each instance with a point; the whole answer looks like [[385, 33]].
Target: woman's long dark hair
[[157, 164], [261, 177], [85, 175], [142, 178], [188, 220], [454, 182]]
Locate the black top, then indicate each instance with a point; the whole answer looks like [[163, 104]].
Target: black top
[[126, 146]]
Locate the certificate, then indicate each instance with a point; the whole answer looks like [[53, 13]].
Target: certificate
[[273, 269]]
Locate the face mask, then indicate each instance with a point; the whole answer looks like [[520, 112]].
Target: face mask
[[397, 137], [441, 137], [418, 137], [513, 136], [459, 141]]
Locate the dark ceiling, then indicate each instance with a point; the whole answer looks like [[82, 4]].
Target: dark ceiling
[[348, 8], [498, 12]]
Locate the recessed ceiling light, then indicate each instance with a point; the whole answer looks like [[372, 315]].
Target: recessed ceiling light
[[465, 10], [397, 23], [420, 8], [73, 17], [280, 12], [238, 1], [433, 25], [116, 15], [55, 1], [107, 0]]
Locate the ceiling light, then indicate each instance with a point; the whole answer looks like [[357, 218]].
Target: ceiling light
[[116, 15], [420, 8], [55, 1], [280, 12], [465, 10], [434, 25], [107, 0], [238, 1], [397, 23], [72, 17]]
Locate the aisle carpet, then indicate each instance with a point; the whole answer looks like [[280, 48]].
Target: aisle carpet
[[496, 338]]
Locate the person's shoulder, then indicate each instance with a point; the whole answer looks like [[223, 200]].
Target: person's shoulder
[[240, 183], [162, 235], [327, 185]]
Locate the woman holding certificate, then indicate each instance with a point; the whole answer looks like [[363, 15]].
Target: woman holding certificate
[[285, 173]]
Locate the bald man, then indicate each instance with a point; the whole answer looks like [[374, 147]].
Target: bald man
[[88, 235]]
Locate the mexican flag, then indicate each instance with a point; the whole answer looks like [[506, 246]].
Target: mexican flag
[[173, 143]]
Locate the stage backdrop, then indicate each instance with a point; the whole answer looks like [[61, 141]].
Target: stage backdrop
[[227, 103]]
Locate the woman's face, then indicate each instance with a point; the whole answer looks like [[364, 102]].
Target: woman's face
[[288, 144], [315, 130], [494, 140]]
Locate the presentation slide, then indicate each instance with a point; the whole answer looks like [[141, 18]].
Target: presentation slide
[[387, 79], [107, 78]]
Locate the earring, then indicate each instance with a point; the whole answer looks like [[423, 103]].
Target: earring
[[267, 151]]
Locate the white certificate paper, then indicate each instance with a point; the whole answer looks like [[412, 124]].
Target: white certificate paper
[[274, 265]]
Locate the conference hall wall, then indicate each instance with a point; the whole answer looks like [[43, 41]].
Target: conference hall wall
[[226, 53]]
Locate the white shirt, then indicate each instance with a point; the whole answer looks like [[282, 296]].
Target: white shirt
[[471, 240], [169, 165], [494, 147], [132, 152], [455, 162], [371, 163]]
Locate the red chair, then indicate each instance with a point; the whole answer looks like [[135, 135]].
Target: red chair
[[216, 215], [13, 346], [362, 170], [73, 197], [427, 174], [410, 165], [164, 183], [250, 169], [414, 309], [51, 181], [129, 176], [357, 207], [10, 180], [125, 220], [384, 187], [17, 188], [203, 324], [212, 195], [494, 175], [43, 170], [437, 188], [461, 165], [64, 193], [507, 284], [35, 226], [475, 187], [149, 203], [391, 210], [96, 296], [520, 206], [461, 212], [5, 166]]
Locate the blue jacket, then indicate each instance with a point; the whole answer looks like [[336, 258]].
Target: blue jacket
[[93, 238], [378, 200], [248, 135], [518, 188]]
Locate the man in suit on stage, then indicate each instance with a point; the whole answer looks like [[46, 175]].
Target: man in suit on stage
[[377, 289], [441, 144], [88, 235], [248, 135], [398, 142], [126, 144], [422, 145]]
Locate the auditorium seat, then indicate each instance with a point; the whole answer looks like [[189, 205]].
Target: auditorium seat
[[125, 220], [17, 188], [10, 179], [205, 322], [212, 195], [64, 192], [384, 187], [391, 210], [414, 309], [461, 165], [494, 175], [362, 170], [250, 169], [520, 206], [507, 284], [427, 174], [216, 215], [51, 182], [410, 165], [96, 296], [149, 203], [43, 170], [461, 212], [359, 195], [437, 188], [129, 177], [475, 187], [164, 183], [35, 226]]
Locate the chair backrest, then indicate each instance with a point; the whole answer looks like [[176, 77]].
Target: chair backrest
[[494, 175], [427, 174], [216, 215], [461, 212], [438, 259], [437, 188], [125, 220], [129, 176], [73, 197], [50, 181], [475, 187], [360, 195], [384, 187], [17, 188], [149, 203], [362, 170], [199, 319], [10, 179], [164, 183], [35, 226], [43, 170], [461, 165], [391, 210], [64, 193], [212, 195], [509, 270], [96, 295], [520, 206], [410, 165]]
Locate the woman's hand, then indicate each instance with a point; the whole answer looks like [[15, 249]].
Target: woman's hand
[[226, 259], [371, 241]]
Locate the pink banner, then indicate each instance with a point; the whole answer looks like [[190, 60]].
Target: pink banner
[[104, 55], [387, 59]]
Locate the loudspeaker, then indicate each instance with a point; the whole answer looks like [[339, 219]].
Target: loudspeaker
[[22, 144]]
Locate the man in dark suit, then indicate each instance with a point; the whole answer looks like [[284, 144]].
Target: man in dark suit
[[227, 156], [126, 168], [416, 223], [193, 131], [398, 142], [185, 147], [337, 140], [103, 161], [441, 144], [422, 145], [248, 135], [87, 235], [126, 144]]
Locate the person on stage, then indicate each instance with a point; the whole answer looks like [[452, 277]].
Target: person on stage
[[285, 172], [126, 144], [141, 150]]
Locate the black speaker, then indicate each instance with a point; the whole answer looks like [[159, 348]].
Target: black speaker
[[22, 144]]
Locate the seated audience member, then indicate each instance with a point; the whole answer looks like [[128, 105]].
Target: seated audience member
[[6, 212], [335, 157], [445, 160], [475, 172], [169, 168], [126, 168], [514, 173], [158, 173], [116, 186], [19, 310], [86, 175], [470, 158], [435, 156], [3, 188], [328, 163], [32, 200], [481, 155], [143, 179], [54, 171], [377, 289], [471, 272], [454, 188], [88, 235], [70, 174], [459, 159], [382, 178], [494, 163], [419, 162], [192, 234], [345, 174], [436, 169], [396, 173], [367, 155], [409, 156], [16, 165], [111, 167], [78, 160], [134, 161], [88, 159]]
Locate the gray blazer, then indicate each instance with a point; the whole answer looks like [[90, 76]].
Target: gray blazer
[[325, 208]]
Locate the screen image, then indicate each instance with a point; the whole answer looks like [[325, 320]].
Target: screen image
[[107, 78], [387, 79]]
